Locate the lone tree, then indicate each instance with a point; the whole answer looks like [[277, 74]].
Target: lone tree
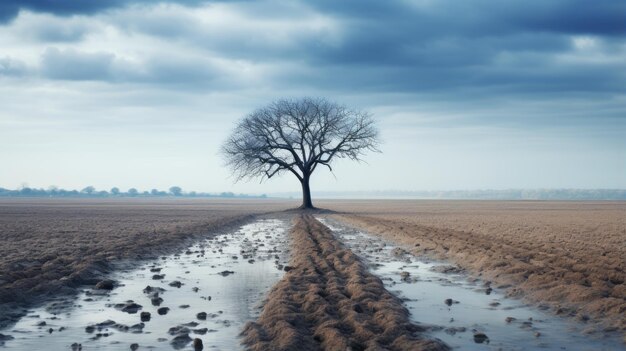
[[297, 136]]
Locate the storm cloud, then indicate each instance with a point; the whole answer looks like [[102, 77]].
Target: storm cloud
[[549, 73]]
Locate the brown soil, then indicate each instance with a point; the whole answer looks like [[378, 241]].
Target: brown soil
[[569, 257], [53, 246], [329, 301]]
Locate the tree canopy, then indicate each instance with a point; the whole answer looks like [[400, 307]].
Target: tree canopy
[[298, 136]]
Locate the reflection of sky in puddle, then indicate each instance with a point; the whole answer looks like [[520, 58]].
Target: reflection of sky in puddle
[[425, 299], [237, 295]]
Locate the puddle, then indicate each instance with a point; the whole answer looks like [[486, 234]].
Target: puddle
[[255, 253], [466, 315]]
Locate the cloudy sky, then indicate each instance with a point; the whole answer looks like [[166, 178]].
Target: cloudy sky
[[467, 94]]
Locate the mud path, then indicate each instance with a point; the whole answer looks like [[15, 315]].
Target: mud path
[[329, 301], [584, 284], [202, 295], [466, 313], [54, 247]]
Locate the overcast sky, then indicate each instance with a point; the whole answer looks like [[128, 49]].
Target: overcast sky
[[467, 94]]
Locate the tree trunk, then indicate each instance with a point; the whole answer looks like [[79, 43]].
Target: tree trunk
[[306, 194]]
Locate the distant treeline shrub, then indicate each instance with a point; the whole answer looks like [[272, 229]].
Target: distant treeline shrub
[[91, 191]]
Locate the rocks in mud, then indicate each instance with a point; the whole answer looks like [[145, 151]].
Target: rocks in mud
[[152, 291], [129, 307], [454, 330], [200, 331], [179, 329], [134, 346], [110, 324], [158, 276], [181, 338], [176, 284], [163, 311], [447, 269], [226, 273], [76, 347], [510, 319], [155, 270], [287, 268], [197, 344], [180, 341], [450, 302], [106, 284], [201, 316], [145, 316], [399, 252], [481, 338]]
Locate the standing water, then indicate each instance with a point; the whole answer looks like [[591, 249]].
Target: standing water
[[208, 291], [467, 315]]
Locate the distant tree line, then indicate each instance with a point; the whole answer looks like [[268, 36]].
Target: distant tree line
[[90, 191]]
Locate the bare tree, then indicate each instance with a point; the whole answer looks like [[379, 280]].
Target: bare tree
[[297, 136]]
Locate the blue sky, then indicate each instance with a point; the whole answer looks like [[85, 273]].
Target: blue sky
[[468, 95]]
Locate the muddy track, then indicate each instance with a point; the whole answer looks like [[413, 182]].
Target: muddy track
[[21, 288], [563, 280], [329, 301]]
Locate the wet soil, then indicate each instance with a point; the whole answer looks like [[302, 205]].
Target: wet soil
[[205, 292], [329, 301], [469, 314], [567, 257], [52, 247]]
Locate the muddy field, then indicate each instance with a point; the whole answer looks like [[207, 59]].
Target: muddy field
[[52, 246], [564, 256]]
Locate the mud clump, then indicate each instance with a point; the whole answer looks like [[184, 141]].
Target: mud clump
[[106, 284], [197, 344], [329, 301], [145, 316]]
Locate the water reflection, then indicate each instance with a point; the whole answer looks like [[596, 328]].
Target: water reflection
[[99, 320]]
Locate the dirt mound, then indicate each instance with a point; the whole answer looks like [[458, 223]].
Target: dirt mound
[[329, 301]]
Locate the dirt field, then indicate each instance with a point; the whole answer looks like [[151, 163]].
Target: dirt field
[[330, 301], [52, 246], [566, 256]]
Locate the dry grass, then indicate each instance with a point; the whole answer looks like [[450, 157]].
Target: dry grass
[[568, 256], [329, 301], [48, 246]]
